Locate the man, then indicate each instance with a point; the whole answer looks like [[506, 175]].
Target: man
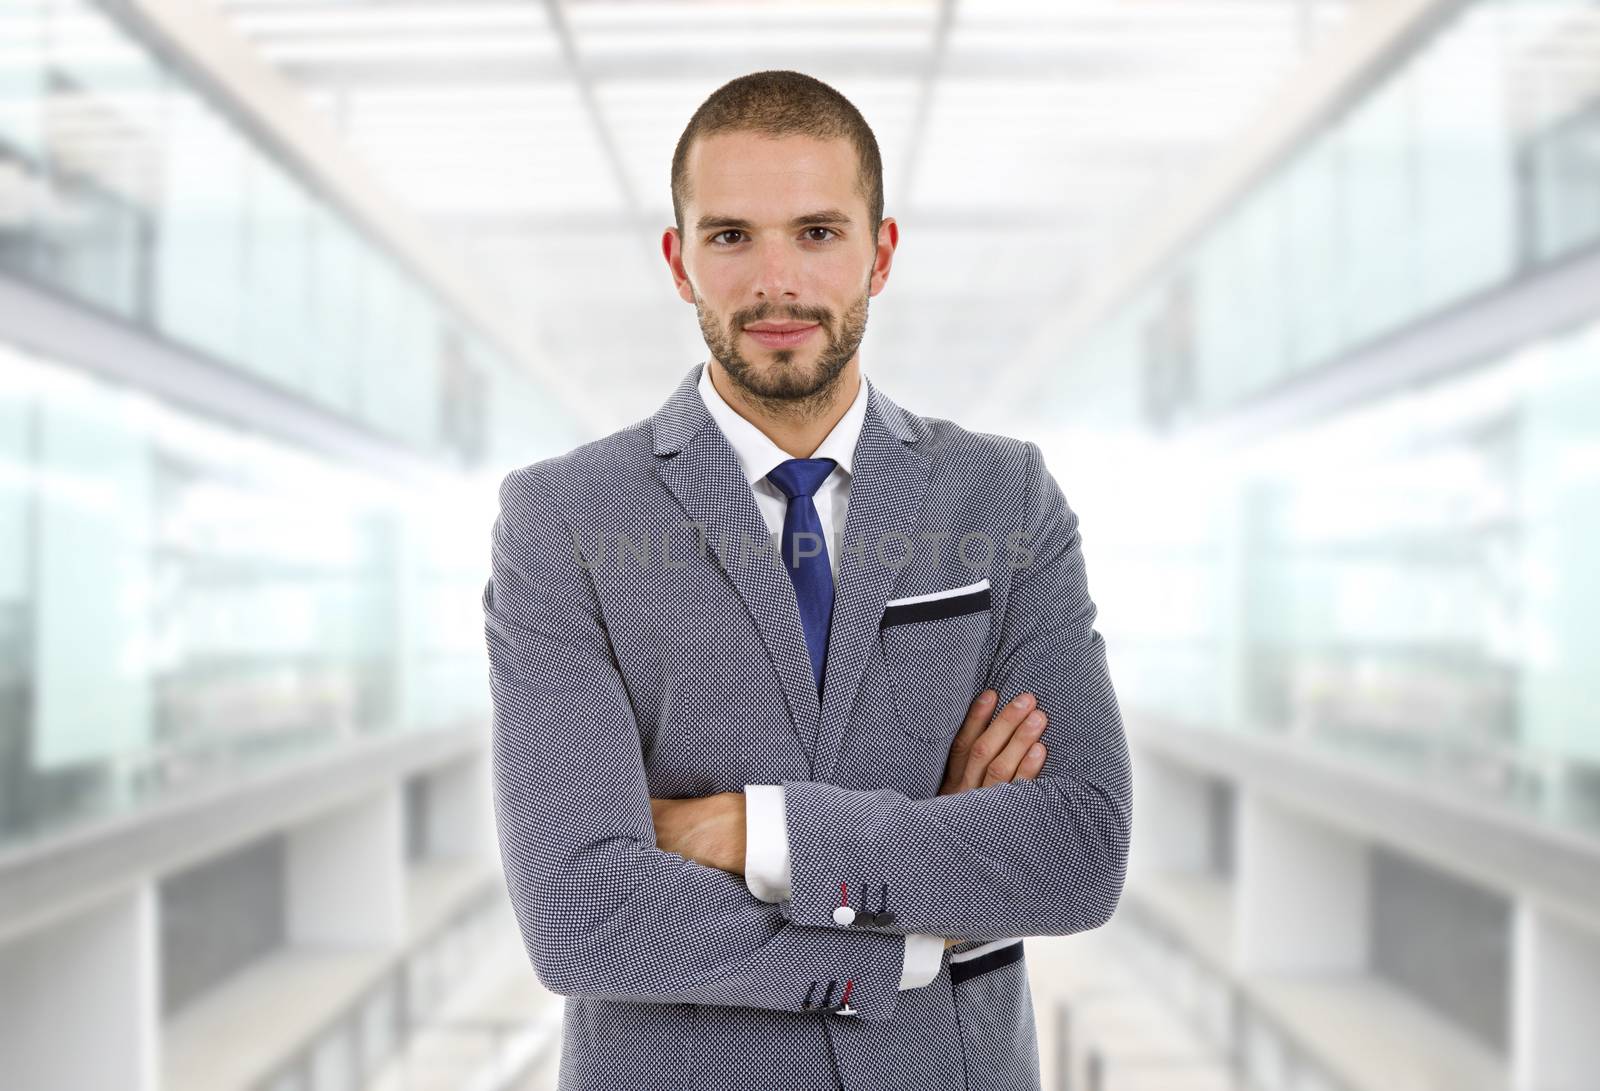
[[747, 780]]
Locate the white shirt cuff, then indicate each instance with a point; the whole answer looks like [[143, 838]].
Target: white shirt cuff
[[924, 955], [766, 842]]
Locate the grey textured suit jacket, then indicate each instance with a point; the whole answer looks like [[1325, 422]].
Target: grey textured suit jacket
[[644, 640]]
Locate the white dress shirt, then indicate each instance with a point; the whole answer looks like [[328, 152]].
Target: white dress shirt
[[766, 867]]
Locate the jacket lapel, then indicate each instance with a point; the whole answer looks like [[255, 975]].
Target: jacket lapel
[[699, 466], [888, 480]]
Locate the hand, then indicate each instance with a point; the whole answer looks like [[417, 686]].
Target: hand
[[1008, 749], [708, 830]]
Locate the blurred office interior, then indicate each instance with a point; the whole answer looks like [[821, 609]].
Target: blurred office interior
[[1300, 297]]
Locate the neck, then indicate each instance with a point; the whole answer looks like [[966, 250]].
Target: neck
[[796, 425]]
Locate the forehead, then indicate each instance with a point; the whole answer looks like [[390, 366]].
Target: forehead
[[731, 172]]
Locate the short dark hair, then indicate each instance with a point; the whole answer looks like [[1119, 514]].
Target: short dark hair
[[779, 102]]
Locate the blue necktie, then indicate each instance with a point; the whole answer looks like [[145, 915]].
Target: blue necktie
[[808, 564]]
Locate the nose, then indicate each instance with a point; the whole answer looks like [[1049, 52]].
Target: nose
[[775, 272]]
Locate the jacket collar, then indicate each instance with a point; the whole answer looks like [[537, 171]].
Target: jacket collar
[[682, 417]]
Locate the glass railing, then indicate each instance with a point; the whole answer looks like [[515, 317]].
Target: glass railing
[[126, 188], [1410, 585], [181, 601], [1469, 164]]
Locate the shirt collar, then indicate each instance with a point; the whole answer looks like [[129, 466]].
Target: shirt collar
[[758, 454]]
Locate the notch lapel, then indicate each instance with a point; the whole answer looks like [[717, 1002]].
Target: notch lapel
[[888, 480], [699, 466]]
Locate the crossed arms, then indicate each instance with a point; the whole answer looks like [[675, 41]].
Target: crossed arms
[[713, 829], [592, 887]]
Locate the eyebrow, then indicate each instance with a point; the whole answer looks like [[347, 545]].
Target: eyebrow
[[825, 216]]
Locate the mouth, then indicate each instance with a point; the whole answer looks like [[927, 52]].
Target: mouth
[[777, 339]]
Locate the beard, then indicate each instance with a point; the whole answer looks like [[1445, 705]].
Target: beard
[[787, 384]]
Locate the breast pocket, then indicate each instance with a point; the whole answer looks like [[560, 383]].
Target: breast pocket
[[933, 645]]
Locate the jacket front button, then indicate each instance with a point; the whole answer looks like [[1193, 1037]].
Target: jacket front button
[[843, 915]]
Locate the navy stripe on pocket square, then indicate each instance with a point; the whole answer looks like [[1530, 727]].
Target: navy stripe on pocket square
[[938, 604]]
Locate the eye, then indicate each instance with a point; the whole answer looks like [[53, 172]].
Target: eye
[[730, 231], [829, 230]]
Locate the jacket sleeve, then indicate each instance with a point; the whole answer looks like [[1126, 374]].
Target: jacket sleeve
[[1046, 856], [766, 873], [603, 912]]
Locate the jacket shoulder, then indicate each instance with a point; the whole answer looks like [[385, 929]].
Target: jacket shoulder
[[591, 472], [989, 457]]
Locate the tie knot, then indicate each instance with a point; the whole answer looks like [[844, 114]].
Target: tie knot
[[801, 476]]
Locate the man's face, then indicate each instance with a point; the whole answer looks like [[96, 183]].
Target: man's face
[[775, 233]]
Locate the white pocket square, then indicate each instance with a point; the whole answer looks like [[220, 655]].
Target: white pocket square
[[933, 596]]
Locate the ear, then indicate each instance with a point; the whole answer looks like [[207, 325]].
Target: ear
[[672, 250], [888, 239]]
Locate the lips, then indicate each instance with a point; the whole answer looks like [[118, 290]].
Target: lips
[[777, 339]]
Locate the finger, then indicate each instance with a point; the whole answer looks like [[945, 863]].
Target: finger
[[1032, 762], [978, 713], [1004, 765], [994, 739], [956, 762]]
